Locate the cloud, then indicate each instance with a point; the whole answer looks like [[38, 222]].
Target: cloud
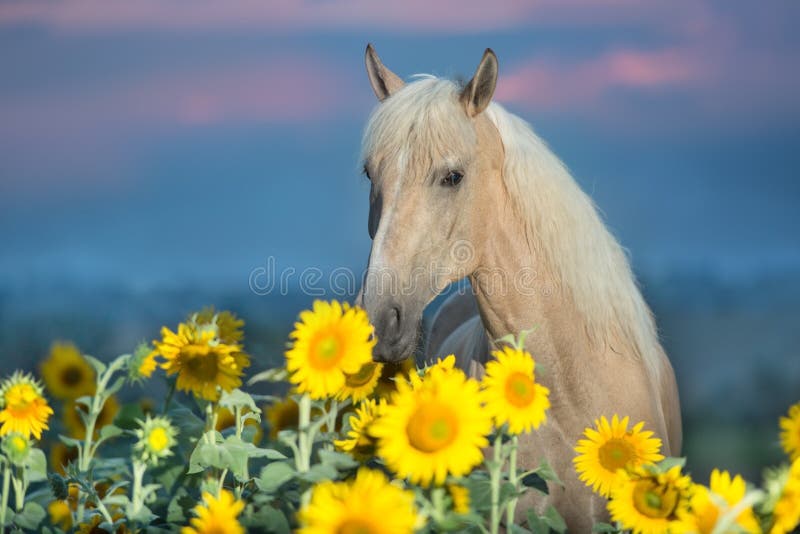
[[98, 126], [558, 84]]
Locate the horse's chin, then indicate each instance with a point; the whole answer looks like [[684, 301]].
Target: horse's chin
[[395, 352]]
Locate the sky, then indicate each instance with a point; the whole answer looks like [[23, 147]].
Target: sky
[[188, 142]]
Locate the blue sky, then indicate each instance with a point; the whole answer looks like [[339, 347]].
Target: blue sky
[[178, 143]]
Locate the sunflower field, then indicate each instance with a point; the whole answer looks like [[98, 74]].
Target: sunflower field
[[353, 447]]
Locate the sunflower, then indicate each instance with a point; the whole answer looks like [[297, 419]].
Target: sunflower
[[709, 504], [143, 362], [74, 422], [329, 342], [391, 372], [433, 427], [442, 365], [460, 496], [230, 326], [24, 410], [610, 448], [66, 372], [790, 432], [203, 360], [16, 447], [362, 505], [359, 442], [227, 419], [60, 514], [156, 437], [360, 385], [511, 394], [648, 502], [282, 415], [216, 515], [61, 456], [784, 495]]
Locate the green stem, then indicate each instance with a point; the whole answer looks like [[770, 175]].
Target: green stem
[[494, 479], [104, 511], [20, 483], [136, 495], [245, 459], [437, 500], [168, 400], [303, 461], [511, 507], [4, 497]]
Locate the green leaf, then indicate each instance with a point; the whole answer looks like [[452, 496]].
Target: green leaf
[[537, 524], [239, 398], [84, 400], [319, 472], [143, 515], [480, 493], [109, 431], [275, 475], [70, 442], [337, 460], [36, 465], [270, 375], [546, 472], [207, 455], [179, 507], [267, 519], [668, 463], [99, 367], [535, 481], [554, 520], [238, 446], [518, 529], [30, 516]]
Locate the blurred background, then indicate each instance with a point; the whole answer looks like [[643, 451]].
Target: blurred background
[[156, 157]]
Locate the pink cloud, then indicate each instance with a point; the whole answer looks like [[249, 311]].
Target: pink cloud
[[96, 123], [554, 84]]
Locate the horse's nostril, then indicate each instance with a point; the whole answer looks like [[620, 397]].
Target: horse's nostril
[[393, 320]]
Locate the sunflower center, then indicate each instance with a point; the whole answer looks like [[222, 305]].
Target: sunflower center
[[326, 352], [158, 439], [354, 526], [18, 444], [432, 428], [654, 501], [616, 453], [520, 389], [362, 377], [71, 376], [202, 366]]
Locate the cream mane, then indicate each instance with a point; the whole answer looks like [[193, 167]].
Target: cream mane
[[564, 227]]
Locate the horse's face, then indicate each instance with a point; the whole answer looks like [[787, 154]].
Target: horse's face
[[431, 157]]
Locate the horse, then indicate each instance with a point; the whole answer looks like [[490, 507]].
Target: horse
[[460, 188]]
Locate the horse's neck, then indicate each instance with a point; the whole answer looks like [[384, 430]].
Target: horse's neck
[[530, 297]]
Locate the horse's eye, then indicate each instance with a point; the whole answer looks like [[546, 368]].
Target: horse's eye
[[452, 178]]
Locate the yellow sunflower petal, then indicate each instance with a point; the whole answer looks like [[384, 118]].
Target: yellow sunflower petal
[[610, 448], [329, 342], [433, 428], [511, 394], [369, 504]]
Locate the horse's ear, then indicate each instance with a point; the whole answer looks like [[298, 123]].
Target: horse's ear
[[384, 82], [478, 92]]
